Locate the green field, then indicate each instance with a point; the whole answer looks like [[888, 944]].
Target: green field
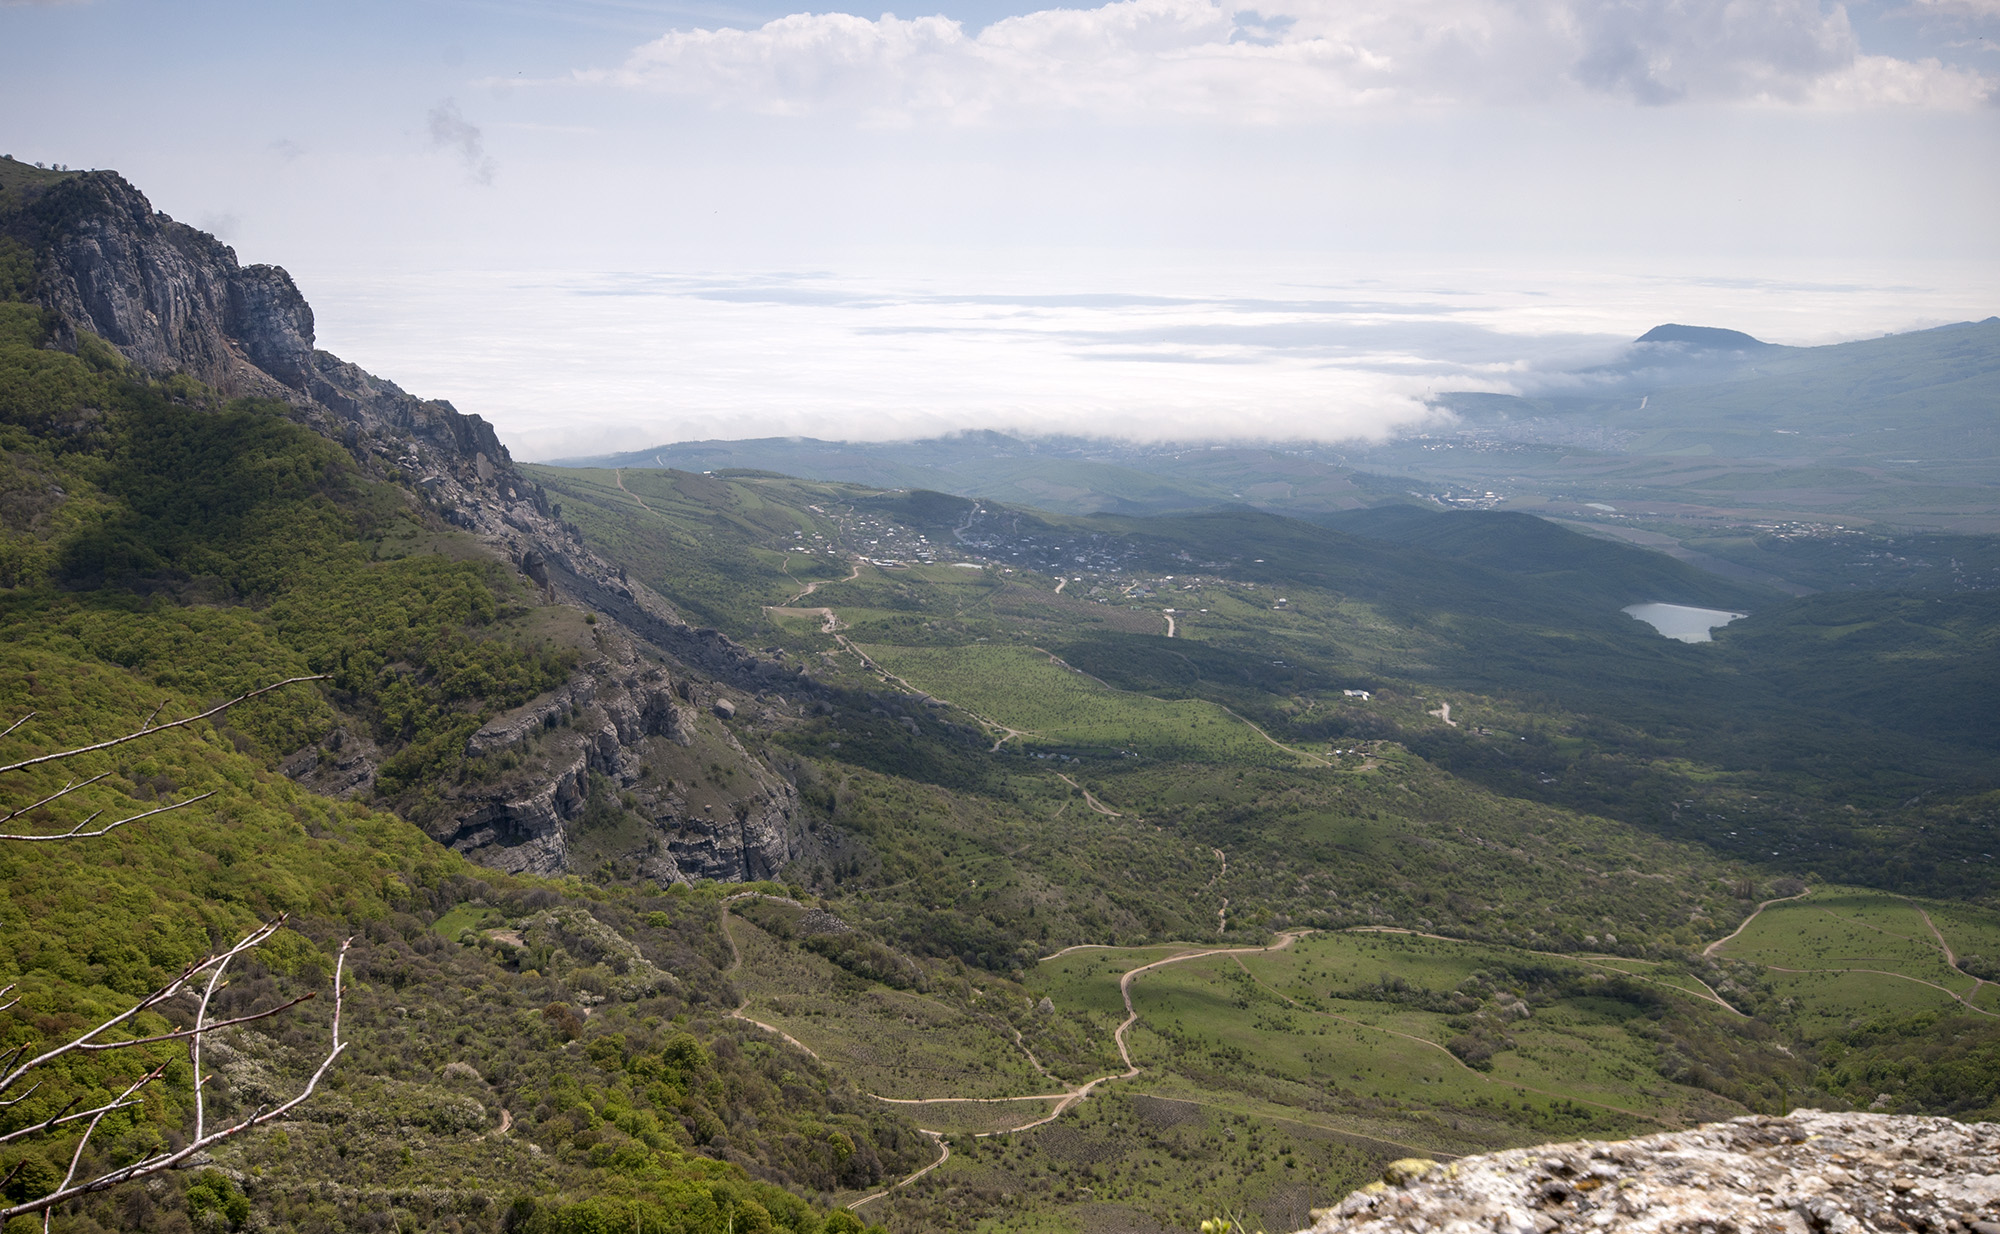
[[1051, 704], [897, 1043], [1843, 953], [1333, 1055], [1529, 821]]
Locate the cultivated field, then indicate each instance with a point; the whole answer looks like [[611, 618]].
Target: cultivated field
[[1053, 705]]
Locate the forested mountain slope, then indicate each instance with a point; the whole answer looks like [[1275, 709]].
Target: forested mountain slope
[[1103, 872]]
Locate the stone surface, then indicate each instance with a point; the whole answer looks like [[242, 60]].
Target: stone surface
[[603, 720], [1809, 1172], [172, 299]]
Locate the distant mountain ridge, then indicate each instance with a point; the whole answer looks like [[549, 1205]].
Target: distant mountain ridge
[[1702, 336], [1705, 428]]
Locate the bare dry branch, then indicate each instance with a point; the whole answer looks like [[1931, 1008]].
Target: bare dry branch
[[194, 1034], [58, 795], [83, 1142], [78, 833], [194, 1049], [22, 1076], [149, 728], [252, 939], [167, 1161], [52, 1123]]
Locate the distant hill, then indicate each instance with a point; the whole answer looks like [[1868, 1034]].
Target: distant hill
[[1709, 337], [1699, 431], [1068, 475]]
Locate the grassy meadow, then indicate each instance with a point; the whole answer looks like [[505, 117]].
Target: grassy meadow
[[1051, 704]]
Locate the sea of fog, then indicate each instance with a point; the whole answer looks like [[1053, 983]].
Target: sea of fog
[[1319, 347]]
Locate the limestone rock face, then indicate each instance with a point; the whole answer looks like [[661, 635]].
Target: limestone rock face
[[174, 299], [751, 845], [341, 764], [1810, 1172], [618, 718]]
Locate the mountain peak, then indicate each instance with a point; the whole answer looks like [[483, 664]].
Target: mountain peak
[[1710, 338]]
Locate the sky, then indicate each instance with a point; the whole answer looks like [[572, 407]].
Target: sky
[[611, 223]]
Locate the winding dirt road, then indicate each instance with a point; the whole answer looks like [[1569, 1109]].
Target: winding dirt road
[[1315, 759], [1717, 945], [618, 478], [736, 962], [811, 587], [1711, 996], [1937, 936], [1089, 800], [1063, 1100], [1951, 957]]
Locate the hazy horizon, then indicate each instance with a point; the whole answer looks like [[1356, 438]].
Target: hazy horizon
[[569, 364], [609, 224]]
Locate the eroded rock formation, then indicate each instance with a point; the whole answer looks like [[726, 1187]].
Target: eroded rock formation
[[626, 721], [172, 299], [1810, 1172]]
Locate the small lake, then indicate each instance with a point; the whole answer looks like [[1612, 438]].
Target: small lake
[[1689, 625]]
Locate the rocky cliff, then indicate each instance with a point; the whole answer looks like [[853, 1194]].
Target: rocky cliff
[[172, 299], [1810, 1172]]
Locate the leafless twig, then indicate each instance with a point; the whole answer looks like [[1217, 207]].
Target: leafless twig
[[161, 995], [52, 1123], [58, 795], [22, 1076], [149, 728], [78, 833], [70, 1188]]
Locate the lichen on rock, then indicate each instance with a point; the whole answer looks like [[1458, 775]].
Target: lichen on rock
[[1802, 1174]]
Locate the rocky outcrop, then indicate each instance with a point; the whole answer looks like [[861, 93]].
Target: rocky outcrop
[[627, 721], [1809, 1172], [172, 299], [629, 707], [340, 764], [754, 841]]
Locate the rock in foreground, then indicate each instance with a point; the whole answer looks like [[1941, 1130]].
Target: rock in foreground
[[1842, 1173]]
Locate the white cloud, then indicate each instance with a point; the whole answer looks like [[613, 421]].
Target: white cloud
[[1961, 8], [1289, 347], [1877, 80], [452, 131], [1134, 59]]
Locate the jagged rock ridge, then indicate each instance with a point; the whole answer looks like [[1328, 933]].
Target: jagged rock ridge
[[174, 299], [170, 298], [1806, 1173]]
